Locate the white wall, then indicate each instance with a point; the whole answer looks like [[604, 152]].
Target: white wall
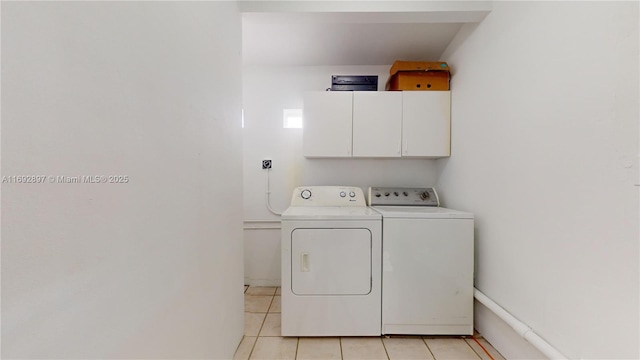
[[147, 269], [544, 136], [267, 90]]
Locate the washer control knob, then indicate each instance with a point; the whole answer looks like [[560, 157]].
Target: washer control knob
[[395, 193], [352, 194], [405, 193], [343, 194], [306, 194], [424, 195], [378, 195], [386, 194]]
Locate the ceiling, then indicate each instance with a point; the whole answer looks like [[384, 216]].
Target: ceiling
[[313, 33], [344, 43]]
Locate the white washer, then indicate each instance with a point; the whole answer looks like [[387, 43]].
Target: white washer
[[331, 264], [427, 267]]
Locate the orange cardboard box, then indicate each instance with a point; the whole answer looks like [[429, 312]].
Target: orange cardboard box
[[419, 75]]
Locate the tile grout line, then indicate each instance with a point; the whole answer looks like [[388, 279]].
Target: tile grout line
[[472, 349], [265, 319], [257, 336], [270, 304], [243, 335], [259, 331], [428, 348], [240, 344], [385, 348], [253, 348], [273, 298]]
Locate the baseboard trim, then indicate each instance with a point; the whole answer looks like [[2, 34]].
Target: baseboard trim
[[502, 336], [262, 225]]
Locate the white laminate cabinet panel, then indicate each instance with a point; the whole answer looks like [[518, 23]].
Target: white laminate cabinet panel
[[327, 130], [426, 127], [377, 124], [372, 124]]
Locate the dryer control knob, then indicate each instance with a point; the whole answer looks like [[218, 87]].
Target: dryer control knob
[[305, 194], [352, 194], [343, 194], [424, 195]]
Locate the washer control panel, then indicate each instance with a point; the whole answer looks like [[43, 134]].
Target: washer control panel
[[328, 196], [403, 196]]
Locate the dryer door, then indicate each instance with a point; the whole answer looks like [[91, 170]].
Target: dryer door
[[331, 261]]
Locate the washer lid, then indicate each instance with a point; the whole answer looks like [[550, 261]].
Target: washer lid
[[330, 213], [421, 212]]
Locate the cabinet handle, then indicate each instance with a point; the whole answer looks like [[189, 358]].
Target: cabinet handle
[[304, 262]]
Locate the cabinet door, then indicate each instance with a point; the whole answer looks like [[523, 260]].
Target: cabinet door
[[377, 124], [327, 127], [426, 124], [331, 261]]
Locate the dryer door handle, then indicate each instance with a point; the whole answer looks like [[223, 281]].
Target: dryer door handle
[[304, 262]]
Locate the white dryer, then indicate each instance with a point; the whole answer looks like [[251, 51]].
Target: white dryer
[[427, 266], [331, 264]]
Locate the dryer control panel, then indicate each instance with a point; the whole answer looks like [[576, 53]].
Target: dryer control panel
[[403, 196], [328, 196]]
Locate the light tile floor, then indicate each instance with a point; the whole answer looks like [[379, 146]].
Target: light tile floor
[[262, 339]]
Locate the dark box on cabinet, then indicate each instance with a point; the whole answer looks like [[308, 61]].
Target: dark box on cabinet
[[340, 87], [354, 83]]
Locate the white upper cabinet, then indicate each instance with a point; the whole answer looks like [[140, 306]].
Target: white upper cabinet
[[327, 124], [377, 124], [426, 124]]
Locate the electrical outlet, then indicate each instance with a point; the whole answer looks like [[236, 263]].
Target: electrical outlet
[[266, 164]]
